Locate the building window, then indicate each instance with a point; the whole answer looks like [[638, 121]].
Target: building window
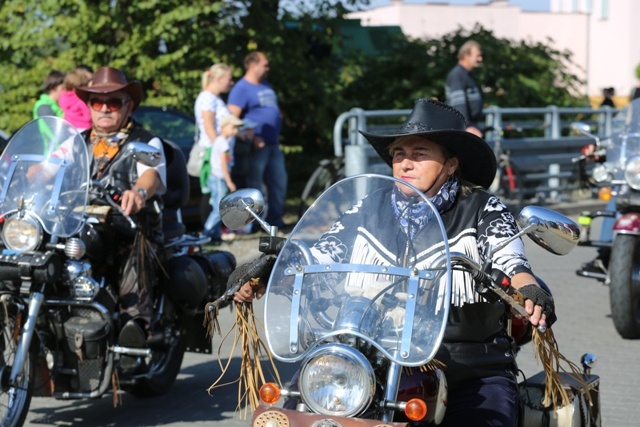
[[604, 10]]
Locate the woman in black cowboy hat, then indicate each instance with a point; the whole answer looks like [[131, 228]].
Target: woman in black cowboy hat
[[433, 152], [452, 167]]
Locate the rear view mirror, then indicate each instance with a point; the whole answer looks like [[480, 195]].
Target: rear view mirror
[[549, 229], [241, 207]]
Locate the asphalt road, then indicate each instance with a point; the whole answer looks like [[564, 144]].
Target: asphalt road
[[584, 325]]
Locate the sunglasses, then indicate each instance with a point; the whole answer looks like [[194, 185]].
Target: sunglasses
[[113, 104]]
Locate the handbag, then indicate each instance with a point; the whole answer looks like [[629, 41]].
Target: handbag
[[196, 159]]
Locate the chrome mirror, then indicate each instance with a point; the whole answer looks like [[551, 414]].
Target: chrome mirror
[[143, 153], [549, 229], [241, 207]]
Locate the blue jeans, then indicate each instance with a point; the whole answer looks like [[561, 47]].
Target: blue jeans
[[492, 401], [218, 189], [267, 167]]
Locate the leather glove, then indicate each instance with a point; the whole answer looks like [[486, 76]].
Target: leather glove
[[540, 297]]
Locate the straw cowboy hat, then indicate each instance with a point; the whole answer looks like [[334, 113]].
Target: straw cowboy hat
[[444, 125], [108, 80]]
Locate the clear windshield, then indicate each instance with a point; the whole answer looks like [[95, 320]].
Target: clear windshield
[[365, 263], [625, 138], [45, 172]]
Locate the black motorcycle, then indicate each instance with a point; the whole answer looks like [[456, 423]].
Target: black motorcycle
[[59, 319]]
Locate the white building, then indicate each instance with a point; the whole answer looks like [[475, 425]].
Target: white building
[[602, 35]]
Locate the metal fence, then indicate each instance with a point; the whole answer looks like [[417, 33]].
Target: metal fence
[[538, 142]]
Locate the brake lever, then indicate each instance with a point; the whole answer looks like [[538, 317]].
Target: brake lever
[[107, 196]]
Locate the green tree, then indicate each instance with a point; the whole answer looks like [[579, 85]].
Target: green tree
[[167, 44]]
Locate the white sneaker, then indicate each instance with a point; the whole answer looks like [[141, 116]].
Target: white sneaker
[[227, 237]]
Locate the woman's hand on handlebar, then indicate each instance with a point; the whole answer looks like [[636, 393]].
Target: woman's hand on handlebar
[[249, 292], [537, 302]]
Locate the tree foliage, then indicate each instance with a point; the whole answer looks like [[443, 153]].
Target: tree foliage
[[167, 44]]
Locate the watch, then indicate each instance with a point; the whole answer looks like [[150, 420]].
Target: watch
[[142, 192]]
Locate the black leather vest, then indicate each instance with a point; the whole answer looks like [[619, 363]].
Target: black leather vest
[[124, 175]]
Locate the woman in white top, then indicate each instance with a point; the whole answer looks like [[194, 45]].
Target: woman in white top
[[209, 109]]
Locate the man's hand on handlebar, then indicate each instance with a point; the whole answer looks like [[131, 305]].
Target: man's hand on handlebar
[[248, 292], [132, 202]]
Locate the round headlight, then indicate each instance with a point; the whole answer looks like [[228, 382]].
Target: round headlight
[[601, 173], [632, 172], [337, 380], [21, 234]]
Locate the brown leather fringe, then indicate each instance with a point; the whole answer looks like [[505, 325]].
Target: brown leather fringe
[[252, 348], [547, 352]]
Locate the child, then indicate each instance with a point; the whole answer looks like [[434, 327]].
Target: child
[[220, 182]]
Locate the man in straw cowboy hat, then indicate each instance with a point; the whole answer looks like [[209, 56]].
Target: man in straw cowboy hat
[[433, 152], [112, 99]]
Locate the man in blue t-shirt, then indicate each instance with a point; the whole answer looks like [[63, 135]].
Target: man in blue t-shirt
[[253, 99]]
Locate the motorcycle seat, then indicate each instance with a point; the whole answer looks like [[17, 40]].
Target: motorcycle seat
[[177, 194]]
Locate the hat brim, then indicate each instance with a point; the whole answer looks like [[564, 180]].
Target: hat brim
[[477, 161], [134, 89]]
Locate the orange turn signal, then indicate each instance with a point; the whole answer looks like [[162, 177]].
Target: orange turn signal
[[269, 393], [604, 194], [415, 409]]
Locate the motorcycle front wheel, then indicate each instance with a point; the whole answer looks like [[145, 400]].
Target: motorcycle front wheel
[[624, 289], [14, 398], [164, 367]]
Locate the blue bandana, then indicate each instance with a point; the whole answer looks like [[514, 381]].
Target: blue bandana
[[419, 212]]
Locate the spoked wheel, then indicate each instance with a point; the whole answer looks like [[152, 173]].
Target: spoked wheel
[[508, 186], [624, 289], [14, 398]]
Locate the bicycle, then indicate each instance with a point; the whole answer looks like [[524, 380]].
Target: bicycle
[[328, 172], [507, 184]]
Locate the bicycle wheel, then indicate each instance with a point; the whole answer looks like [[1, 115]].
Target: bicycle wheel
[[321, 179], [509, 187]]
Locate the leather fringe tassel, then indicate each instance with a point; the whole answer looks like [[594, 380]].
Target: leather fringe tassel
[[252, 376], [547, 352]]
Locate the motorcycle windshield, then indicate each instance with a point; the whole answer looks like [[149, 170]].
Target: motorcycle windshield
[[625, 138], [45, 172], [368, 264]]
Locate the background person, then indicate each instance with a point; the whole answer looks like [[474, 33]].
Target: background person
[[47, 102], [253, 99], [220, 183], [75, 110], [608, 93], [209, 109], [461, 90]]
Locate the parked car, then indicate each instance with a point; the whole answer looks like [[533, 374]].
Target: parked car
[[178, 127], [4, 138]]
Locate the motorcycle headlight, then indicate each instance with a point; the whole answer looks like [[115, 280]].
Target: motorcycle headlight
[[337, 380], [21, 234], [601, 173], [632, 172]]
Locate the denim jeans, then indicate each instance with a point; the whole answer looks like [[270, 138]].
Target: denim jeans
[[218, 189], [267, 167]]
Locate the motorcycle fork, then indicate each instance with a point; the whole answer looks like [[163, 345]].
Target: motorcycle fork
[[35, 302], [391, 390]]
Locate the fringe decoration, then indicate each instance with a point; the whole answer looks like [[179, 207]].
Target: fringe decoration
[[115, 386], [547, 352], [252, 348], [430, 366], [210, 320]]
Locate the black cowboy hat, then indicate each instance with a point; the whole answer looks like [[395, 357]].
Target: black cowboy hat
[[108, 80], [444, 125]]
